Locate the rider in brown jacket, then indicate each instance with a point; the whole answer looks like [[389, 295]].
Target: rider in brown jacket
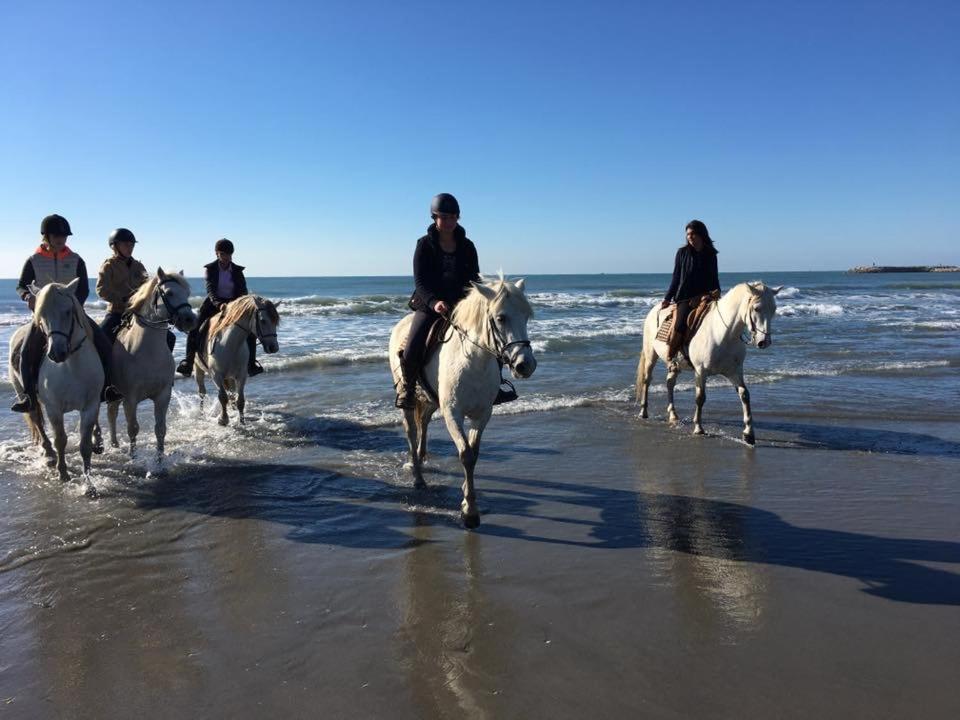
[[120, 276]]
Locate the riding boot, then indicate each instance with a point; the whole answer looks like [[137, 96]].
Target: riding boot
[[185, 367], [505, 396], [31, 357], [104, 347], [407, 387], [253, 367], [171, 340]]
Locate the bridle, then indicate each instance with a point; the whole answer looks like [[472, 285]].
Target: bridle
[[753, 327], [501, 348], [67, 335], [258, 326], [161, 297]]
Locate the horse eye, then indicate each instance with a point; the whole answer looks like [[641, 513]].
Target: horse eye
[[501, 318]]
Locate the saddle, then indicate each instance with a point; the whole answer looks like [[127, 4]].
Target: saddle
[[699, 307]]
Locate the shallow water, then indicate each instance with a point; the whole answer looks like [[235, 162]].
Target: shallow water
[[623, 568]]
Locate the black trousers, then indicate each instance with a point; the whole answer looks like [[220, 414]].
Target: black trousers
[[417, 341], [111, 325], [196, 336], [35, 344]]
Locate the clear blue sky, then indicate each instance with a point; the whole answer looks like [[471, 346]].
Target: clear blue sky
[[579, 137]]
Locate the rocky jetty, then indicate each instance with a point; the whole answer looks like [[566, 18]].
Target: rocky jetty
[[904, 268]]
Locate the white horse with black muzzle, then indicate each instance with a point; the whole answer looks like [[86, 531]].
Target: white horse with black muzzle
[[227, 354], [71, 374], [717, 348], [143, 367], [488, 329]]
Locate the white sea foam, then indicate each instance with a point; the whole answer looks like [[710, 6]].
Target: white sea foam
[[807, 309]]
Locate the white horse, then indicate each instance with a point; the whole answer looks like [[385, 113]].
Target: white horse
[[227, 354], [716, 349], [489, 326], [71, 374], [143, 367]]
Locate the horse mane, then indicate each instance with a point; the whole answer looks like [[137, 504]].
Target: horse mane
[[471, 313], [145, 291], [77, 307], [238, 310]]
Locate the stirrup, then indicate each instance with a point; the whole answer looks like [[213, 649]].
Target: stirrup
[[254, 369], [185, 367], [110, 394]]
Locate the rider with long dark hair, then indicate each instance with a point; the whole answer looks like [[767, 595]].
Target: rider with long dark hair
[[694, 275]]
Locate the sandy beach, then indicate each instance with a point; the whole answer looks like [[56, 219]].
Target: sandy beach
[[681, 577]]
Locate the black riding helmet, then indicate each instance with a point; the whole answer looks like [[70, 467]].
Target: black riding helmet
[[122, 235], [223, 245], [55, 225], [444, 203]]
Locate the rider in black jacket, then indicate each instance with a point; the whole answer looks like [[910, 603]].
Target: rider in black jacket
[[224, 282], [694, 274], [444, 264]]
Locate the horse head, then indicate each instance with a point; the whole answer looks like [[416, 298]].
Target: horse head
[[57, 313], [267, 319], [173, 291], [761, 307], [507, 312]]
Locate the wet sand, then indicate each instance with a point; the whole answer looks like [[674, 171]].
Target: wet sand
[[634, 571]]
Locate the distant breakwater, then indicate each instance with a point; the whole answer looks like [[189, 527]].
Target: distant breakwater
[[904, 269]]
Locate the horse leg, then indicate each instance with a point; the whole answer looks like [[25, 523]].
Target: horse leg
[[60, 443], [88, 421], [672, 373], [410, 427], [224, 399], [648, 360], [112, 410], [133, 426], [241, 400], [700, 382], [737, 380], [201, 386], [97, 434], [468, 458], [424, 413], [160, 405], [36, 424]]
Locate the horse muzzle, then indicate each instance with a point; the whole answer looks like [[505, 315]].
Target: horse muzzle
[[524, 365], [58, 351], [765, 343], [270, 347], [186, 321]]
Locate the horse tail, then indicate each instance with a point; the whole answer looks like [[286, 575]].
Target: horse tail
[[641, 373], [35, 424]]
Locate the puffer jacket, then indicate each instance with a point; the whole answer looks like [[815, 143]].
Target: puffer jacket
[[46, 266]]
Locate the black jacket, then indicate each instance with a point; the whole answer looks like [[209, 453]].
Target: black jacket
[[432, 283], [694, 273], [213, 278]]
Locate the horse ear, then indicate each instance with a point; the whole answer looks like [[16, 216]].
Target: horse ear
[[520, 284], [777, 289], [160, 274], [181, 272], [72, 285], [278, 303], [488, 292]]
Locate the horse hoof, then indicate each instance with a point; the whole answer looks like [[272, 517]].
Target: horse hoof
[[222, 422], [643, 415], [98, 449], [91, 492], [470, 522], [698, 431], [419, 484], [749, 439], [114, 444]]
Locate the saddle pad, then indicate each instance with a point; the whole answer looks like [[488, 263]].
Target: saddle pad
[[663, 334]]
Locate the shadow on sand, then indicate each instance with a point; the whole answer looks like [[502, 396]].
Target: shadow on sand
[[324, 506]]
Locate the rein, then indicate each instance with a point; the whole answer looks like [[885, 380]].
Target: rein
[[727, 326], [158, 296], [500, 347]]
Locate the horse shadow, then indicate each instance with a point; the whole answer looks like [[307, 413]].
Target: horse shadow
[[890, 567], [833, 437], [316, 504]]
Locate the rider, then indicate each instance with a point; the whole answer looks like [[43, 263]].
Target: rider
[[55, 262], [120, 277], [694, 274], [444, 264], [225, 282]]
